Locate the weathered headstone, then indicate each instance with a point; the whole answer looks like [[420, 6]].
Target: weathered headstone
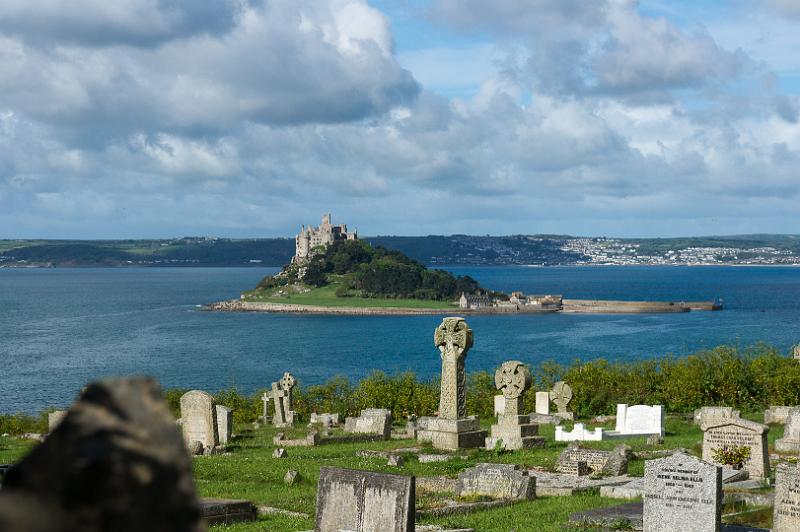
[[513, 430], [362, 501], [282, 417], [227, 511], [776, 414], [786, 514], [561, 395], [288, 383], [726, 433], [543, 403], [199, 416], [682, 493], [706, 414], [611, 463], [224, 424], [376, 421], [790, 443], [326, 420], [115, 462], [498, 481], [453, 429], [577, 468]]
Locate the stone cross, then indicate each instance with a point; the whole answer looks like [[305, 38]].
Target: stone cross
[[278, 395], [287, 383], [454, 339], [265, 400], [512, 378], [561, 396]]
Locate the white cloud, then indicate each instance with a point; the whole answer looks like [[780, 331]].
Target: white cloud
[[580, 118]]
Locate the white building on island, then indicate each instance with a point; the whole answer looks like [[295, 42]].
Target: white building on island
[[311, 237]]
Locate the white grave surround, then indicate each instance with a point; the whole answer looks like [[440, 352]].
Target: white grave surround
[[632, 421]]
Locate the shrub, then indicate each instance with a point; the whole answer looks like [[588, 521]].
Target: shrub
[[732, 455], [748, 379]]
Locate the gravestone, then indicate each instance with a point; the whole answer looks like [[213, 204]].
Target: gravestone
[[199, 420], [226, 511], [327, 420], [362, 501], [513, 430], [54, 418], [706, 414], [115, 462], [722, 433], [639, 420], [224, 424], [288, 383], [612, 463], [376, 421], [561, 395], [265, 399], [786, 514], [282, 417], [498, 481], [776, 414], [682, 493], [543, 403], [452, 429], [790, 443], [576, 469]]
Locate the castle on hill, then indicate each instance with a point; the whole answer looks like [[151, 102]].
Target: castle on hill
[[311, 237]]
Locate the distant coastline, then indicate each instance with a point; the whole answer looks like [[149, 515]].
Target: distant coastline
[[433, 250]]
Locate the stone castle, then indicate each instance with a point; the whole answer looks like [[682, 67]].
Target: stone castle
[[311, 237]]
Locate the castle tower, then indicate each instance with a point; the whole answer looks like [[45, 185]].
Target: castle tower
[[311, 237]]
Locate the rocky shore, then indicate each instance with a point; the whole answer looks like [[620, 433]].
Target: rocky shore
[[574, 306], [285, 308]]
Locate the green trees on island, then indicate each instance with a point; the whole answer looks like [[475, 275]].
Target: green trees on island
[[361, 270]]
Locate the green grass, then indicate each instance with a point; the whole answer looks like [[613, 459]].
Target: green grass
[[250, 472], [326, 297]]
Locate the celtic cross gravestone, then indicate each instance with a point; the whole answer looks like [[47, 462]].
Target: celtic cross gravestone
[[513, 430], [452, 429]]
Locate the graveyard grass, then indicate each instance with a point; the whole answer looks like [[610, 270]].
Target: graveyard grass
[[325, 296], [250, 472]]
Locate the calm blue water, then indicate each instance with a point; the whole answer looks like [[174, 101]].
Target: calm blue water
[[60, 328]]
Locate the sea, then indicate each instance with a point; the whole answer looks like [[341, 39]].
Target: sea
[[61, 328]]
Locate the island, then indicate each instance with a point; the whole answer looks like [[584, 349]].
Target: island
[[333, 272]]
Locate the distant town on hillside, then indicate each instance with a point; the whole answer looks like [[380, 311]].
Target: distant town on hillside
[[541, 250]]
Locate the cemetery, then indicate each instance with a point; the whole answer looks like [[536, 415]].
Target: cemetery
[[267, 463]]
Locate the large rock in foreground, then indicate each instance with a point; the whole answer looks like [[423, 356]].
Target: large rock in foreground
[[116, 462]]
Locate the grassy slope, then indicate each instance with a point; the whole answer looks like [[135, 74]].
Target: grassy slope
[[326, 297], [251, 473]]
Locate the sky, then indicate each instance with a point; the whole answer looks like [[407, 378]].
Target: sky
[[247, 118]]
